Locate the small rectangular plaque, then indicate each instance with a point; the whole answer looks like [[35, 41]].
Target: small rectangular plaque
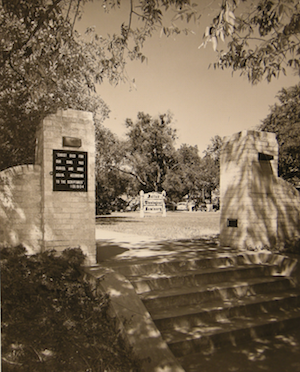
[[232, 222], [70, 170], [71, 142], [265, 157]]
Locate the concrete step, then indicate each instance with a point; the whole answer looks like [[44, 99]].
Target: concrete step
[[203, 260], [273, 353], [215, 335], [225, 291], [172, 266], [202, 301], [162, 281], [218, 312]]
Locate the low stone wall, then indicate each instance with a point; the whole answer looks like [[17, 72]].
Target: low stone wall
[[20, 207]]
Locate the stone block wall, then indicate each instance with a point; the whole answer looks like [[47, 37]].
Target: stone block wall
[[68, 218], [20, 207], [256, 206], [32, 210]]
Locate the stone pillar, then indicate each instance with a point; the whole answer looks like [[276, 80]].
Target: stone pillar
[[164, 210], [249, 162], [142, 214], [66, 154]]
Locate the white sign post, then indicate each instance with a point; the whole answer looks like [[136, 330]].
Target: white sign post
[[152, 202]]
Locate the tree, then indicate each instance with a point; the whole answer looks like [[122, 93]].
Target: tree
[[150, 150], [192, 175], [214, 149], [45, 64], [184, 177], [111, 181], [284, 120], [263, 38]]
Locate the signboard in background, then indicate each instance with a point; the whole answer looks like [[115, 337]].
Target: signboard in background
[[152, 202], [70, 170]]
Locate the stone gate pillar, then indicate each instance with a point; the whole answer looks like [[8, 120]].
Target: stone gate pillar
[[249, 162], [66, 154]]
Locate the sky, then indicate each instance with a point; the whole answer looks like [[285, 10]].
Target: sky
[[176, 78]]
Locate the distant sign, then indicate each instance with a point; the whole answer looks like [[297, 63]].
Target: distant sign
[[152, 202], [69, 170]]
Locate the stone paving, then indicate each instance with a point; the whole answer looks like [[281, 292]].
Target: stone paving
[[123, 246]]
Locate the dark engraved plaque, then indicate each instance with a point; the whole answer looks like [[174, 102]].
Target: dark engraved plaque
[[232, 222], [70, 170]]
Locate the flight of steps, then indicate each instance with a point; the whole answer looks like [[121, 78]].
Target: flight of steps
[[203, 303]]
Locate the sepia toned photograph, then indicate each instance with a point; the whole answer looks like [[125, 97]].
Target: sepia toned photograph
[[150, 185]]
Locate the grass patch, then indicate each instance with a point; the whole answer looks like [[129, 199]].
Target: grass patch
[[176, 225]]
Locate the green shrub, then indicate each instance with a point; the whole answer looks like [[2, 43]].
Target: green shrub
[[53, 320]]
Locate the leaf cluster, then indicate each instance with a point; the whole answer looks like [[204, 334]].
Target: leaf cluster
[[264, 40], [284, 120], [53, 319], [44, 66]]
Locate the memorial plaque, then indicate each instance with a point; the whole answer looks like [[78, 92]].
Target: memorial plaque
[[232, 222], [70, 170]]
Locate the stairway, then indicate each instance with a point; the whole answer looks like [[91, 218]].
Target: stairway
[[214, 299]]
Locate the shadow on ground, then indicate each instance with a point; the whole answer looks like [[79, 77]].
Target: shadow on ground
[[114, 220], [143, 249], [279, 352]]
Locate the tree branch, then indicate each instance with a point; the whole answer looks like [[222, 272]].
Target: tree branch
[[130, 173], [76, 13], [69, 9]]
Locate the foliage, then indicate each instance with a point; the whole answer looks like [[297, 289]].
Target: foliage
[[263, 37], [214, 148], [148, 160], [211, 163], [184, 177], [45, 64], [111, 182], [52, 320], [210, 175], [284, 120], [150, 150], [194, 176]]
